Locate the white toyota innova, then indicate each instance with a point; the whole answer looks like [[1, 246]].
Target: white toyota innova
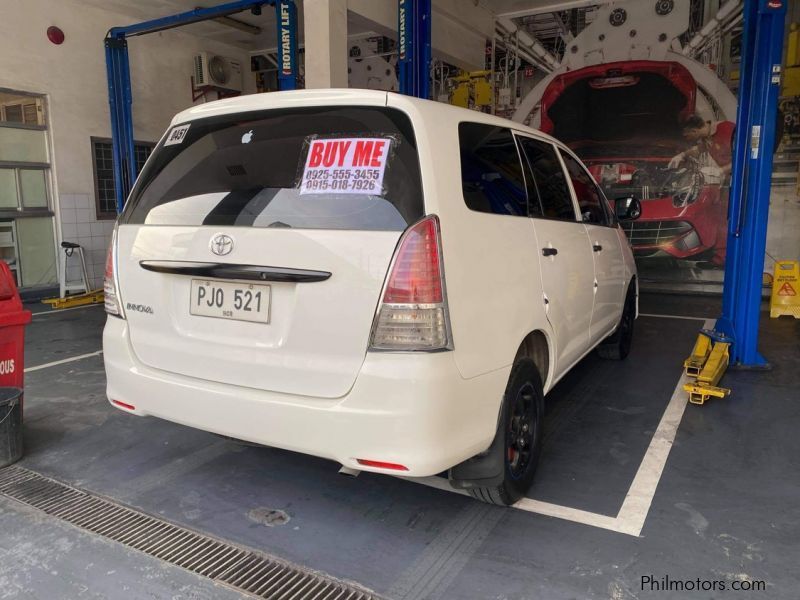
[[383, 281]]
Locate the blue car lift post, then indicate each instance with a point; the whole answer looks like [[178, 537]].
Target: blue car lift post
[[414, 47], [120, 97], [748, 209]]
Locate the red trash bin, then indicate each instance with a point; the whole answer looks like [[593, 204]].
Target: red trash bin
[[13, 319]]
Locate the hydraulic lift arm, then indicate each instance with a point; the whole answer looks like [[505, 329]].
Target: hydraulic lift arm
[[748, 209], [120, 95]]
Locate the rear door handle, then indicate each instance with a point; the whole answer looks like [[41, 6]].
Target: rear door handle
[[597, 248], [549, 251]]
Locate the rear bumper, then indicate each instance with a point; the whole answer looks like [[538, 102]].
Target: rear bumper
[[409, 409]]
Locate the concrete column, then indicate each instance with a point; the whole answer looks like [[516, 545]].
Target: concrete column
[[325, 28]]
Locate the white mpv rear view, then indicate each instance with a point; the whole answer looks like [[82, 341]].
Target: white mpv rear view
[[386, 282]]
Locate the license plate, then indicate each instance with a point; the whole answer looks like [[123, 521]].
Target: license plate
[[236, 301]]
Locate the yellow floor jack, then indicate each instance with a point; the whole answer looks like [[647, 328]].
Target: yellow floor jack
[[90, 297], [67, 299], [706, 366]]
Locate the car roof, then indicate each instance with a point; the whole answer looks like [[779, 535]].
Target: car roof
[[348, 97], [288, 99]]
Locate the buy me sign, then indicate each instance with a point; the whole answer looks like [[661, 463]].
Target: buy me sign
[[345, 166]]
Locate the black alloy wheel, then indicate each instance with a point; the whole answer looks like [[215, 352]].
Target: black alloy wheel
[[518, 438], [618, 345], [520, 433]]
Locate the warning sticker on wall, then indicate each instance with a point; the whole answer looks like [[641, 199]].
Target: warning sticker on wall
[[345, 166], [176, 135]]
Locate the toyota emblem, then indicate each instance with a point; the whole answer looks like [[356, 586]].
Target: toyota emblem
[[221, 244]]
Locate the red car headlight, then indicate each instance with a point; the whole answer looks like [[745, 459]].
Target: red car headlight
[[686, 187]]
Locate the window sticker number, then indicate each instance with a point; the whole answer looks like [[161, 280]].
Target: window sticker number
[[176, 135], [345, 166]]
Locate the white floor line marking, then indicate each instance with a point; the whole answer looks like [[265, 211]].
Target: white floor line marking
[[567, 513], [63, 361], [530, 505], [634, 510], [675, 317], [45, 313], [633, 513], [576, 515]]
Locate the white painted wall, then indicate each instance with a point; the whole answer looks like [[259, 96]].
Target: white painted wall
[[73, 77]]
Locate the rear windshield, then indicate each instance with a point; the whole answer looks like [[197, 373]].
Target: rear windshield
[[318, 168]]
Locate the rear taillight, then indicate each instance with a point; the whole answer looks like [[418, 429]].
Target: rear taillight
[[110, 293], [413, 313]]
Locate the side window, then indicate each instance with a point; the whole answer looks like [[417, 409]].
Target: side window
[[491, 172], [549, 192], [591, 201]]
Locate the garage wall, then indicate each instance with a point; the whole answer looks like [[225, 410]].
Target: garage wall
[[73, 78]]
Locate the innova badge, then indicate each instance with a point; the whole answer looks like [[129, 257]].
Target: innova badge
[[221, 244]]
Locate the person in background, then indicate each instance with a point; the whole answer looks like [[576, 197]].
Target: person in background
[[712, 149], [709, 139]]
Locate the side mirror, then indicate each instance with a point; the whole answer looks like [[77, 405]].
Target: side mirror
[[628, 208]]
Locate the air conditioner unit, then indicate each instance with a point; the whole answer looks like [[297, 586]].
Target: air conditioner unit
[[213, 70]]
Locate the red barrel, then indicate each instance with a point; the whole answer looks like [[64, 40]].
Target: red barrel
[[13, 319]]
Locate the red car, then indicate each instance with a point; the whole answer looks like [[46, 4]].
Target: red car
[[623, 119]]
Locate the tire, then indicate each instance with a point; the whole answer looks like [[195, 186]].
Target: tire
[[520, 429], [618, 345]]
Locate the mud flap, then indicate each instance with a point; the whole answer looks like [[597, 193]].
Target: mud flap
[[484, 470]]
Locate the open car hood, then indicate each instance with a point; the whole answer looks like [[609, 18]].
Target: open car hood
[[635, 149], [623, 109]]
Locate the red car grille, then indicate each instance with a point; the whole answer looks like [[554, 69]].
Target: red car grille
[[655, 233]]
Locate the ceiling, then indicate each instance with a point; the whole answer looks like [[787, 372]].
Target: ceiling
[[144, 10], [549, 27]]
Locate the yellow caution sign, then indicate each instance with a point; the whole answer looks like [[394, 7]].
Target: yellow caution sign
[[785, 289]]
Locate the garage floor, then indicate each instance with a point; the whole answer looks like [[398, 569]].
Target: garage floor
[[615, 499]]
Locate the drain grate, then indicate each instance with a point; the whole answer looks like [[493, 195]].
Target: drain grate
[[245, 570]]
